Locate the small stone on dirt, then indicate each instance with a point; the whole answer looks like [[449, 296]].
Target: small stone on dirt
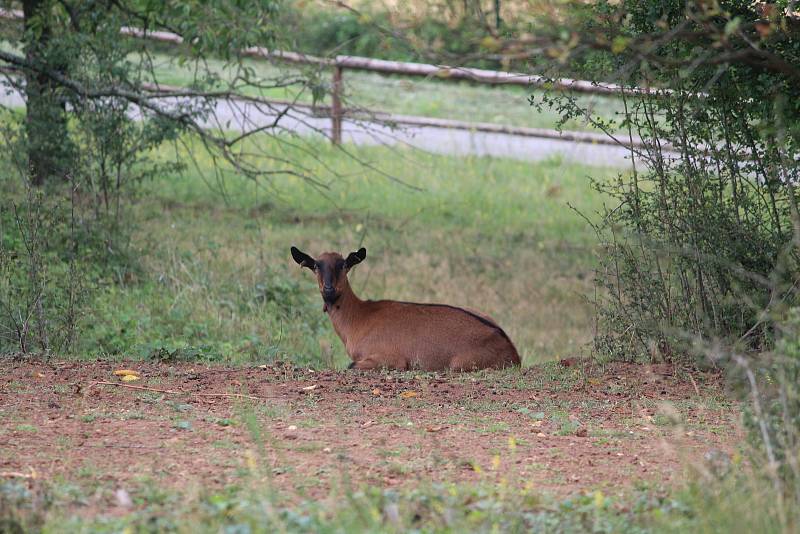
[[123, 498], [392, 513]]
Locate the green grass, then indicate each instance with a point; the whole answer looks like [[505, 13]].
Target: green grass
[[216, 280], [735, 503]]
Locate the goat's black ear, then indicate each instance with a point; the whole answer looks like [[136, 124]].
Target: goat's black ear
[[303, 259], [355, 257]]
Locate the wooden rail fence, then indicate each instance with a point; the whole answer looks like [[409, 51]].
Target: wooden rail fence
[[339, 63]]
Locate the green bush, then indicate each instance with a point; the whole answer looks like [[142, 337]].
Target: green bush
[[51, 258], [700, 260], [700, 242], [380, 33], [776, 425]]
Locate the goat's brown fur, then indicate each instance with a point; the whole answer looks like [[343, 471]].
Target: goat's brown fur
[[405, 335]]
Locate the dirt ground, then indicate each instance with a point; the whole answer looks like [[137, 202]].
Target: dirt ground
[[564, 428]]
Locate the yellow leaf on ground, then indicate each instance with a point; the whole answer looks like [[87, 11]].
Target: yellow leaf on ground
[[129, 378], [376, 391], [126, 372], [409, 394], [599, 499]]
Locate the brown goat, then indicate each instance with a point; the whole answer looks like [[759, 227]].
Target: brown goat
[[405, 335]]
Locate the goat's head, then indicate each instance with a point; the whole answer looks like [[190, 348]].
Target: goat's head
[[331, 269]]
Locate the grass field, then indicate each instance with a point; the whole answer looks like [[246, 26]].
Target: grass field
[[216, 277]]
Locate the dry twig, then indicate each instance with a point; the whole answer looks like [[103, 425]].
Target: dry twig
[[175, 392]]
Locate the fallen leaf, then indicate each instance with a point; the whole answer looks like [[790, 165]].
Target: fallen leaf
[[541, 435], [536, 424], [409, 394], [291, 427], [32, 474], [595, 381], [39, 375], [434, 429], [310, 388], [376, 391], [367, 424], [129, 378], [126, 372]]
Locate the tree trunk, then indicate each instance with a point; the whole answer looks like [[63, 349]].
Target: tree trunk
[[48, 146]]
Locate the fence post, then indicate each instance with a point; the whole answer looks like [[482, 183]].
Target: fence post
[[336, 106]]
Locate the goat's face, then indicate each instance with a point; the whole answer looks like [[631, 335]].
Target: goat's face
[[331, 270]]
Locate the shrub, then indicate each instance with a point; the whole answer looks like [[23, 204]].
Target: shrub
[[700, 243], [700, 254]]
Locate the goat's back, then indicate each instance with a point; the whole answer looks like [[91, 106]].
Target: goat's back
[[431, 337]]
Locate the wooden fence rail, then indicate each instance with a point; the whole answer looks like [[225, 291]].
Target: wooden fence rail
[[339, 63]]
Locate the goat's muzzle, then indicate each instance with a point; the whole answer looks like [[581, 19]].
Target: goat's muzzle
[[329, 295]]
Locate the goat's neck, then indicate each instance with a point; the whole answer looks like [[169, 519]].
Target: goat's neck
[[345, 312]]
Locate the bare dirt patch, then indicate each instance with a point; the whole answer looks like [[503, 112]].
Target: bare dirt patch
[[560, 428]]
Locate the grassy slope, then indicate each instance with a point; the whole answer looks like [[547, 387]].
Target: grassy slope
[[485, 233]]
